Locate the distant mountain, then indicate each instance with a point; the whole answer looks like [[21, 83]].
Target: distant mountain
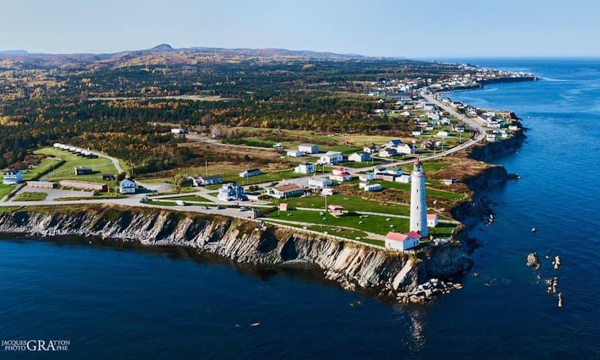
[[14, 52], [163, 54]]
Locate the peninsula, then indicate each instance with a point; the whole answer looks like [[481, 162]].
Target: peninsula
[[357, 165]]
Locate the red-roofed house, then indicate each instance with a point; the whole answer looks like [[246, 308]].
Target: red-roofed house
[[432, 220], [401, 242]]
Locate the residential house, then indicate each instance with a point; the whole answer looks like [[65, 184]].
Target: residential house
[[127, 186], [340, 174], [12, 177], [295, 153], [331, 157], [285, 191], [513, 128], [308, 148], [319, 182], [231, 192], [405, 179], [306, 168], [402, 242], [388, 171], [327, 192], [360, 157], [366, 177], [206, 180], [372, 187], [389, 152], [417, 132], [442, 134], [370, 149], [491, 138], [393, 143], [405, 149], [178, 131], [250, 173], [432, 220]]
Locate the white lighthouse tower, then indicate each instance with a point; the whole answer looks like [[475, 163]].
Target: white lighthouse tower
[[418, 201]]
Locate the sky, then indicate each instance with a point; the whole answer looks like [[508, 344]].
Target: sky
[[400, 28]]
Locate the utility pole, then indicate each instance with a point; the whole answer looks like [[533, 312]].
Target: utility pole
[[206, 167]]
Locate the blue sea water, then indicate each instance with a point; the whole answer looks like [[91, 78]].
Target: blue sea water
[[127, 303]]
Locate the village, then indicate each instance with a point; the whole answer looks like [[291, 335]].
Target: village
[[325, 189]]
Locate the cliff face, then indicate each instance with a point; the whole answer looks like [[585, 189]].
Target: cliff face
[[380, 272], [496, 149]]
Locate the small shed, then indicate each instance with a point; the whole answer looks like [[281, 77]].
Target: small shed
[[336, 210]]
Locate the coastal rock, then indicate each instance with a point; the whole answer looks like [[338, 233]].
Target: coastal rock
[[351, 265], [533, 260]]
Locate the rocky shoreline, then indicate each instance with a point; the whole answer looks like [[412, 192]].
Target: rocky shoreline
[[388, 275]]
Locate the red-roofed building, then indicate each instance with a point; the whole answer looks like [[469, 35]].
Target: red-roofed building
[[401, 242], [432, 220], [336, 210]]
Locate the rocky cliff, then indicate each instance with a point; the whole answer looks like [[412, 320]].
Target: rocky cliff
[[353, 266]]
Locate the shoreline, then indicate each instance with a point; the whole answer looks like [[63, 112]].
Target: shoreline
[[385, 275]]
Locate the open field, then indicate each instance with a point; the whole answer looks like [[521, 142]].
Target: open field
[[430, 192], [43, 168], [66, 171], [350, 202], [374, 224], [31, 196], [199, 198]]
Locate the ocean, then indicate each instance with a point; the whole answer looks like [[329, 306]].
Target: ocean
[[126, 302]]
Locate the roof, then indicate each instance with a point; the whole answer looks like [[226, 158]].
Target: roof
[[307, 145], [287, 188], [401, 237], [335, 207], [211, 177], [329, 153], [431, 216]]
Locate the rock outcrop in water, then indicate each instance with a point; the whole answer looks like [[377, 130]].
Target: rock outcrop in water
[[383, 273]]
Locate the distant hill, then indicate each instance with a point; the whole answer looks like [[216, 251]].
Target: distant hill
[[14, 52]]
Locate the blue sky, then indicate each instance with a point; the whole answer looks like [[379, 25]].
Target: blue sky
[[416, 28]]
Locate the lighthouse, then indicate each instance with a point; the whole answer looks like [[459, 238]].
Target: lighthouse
[[418, 201]]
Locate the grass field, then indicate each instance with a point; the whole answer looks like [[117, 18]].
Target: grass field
[[5, 189], [191, 198], [66, 171], [44, 167], [374, 224], [430, 192], [31, 196], [8, 208], [350, 202]]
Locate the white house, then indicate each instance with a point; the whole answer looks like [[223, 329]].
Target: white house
[[12, 177], [432, 220], [442, 134], [308, 148], [401, 242], [294, 153], [386, 153], [178, 131], [513, 128], [285, 191], [360, 157], [393, 143], [417, 132], [491, 137], [370, 149], [206, 180], [405, 179], [250, 173], [127, 186], [340, 174], [306, 168], [389, 171], [331, 157], [319, 182], [365, 177], [405, 149], [231, 192], [373, 187]]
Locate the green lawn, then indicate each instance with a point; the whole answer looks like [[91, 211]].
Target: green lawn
[[430, 192], [350, 202], [263, 178], [5, 189], [370, 223], [8, 208], [44, 167], [358, 165], [191, 198], [66, 171], [31, 196]]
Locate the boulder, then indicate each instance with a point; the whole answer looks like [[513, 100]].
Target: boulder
[[533, 260]]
